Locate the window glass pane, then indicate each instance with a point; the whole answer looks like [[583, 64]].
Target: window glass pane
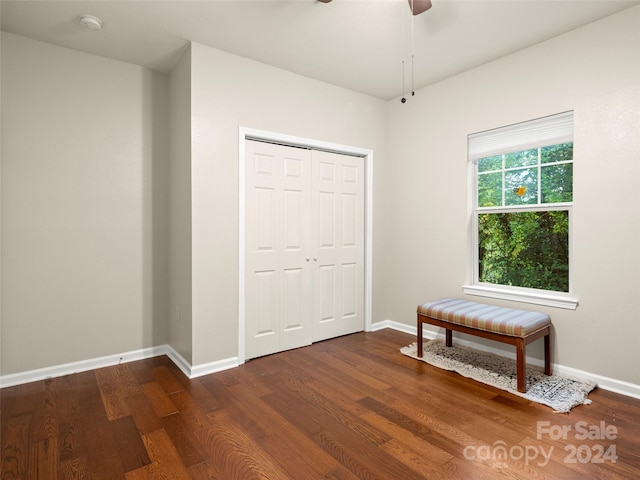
[[521, 186], [521, 159], [490, 163], [490, 190], [556, 153], [525, 249], [557, 183]]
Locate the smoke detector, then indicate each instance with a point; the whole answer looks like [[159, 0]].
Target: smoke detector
[[91, 22]]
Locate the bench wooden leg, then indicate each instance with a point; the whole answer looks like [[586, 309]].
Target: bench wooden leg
[[419, 352], [448, 336], [521, 359], [547, 354]]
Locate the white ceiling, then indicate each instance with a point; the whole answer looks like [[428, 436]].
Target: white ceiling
[[356, 44]]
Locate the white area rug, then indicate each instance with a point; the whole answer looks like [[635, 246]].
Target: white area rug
[[559, 393]]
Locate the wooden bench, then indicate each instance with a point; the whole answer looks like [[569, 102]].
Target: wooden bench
[[506, 325]]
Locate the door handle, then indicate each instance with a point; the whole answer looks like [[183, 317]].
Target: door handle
[[308, 259]]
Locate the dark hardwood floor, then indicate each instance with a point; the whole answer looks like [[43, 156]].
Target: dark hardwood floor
[[348, 408]]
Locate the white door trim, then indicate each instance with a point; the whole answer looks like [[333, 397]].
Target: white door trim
[[367, 154]]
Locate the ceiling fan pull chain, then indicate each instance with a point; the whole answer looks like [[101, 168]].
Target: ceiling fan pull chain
[[412, 53], [403, 100], [412, 75]]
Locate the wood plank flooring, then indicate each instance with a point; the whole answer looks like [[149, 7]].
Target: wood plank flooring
[[348, 408]]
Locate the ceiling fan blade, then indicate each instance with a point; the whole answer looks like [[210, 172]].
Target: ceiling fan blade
[[418, 6]]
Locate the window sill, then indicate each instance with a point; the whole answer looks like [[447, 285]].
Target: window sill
[[558, 300]]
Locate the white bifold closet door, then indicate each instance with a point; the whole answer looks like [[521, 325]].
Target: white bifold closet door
[[304, 258]]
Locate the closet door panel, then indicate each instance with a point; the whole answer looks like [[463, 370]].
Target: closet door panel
[[278, 276], [338, 234], [304, 247]]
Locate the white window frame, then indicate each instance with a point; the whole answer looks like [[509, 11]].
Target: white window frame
[[504, 140]]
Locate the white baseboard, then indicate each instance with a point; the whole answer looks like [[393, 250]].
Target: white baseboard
[[401, 327], [199, 370], [213, 367], [180, 362], [110, 360], [606, 383], [81, 366]]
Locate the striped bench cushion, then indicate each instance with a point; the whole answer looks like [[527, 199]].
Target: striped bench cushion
[[506, 321]]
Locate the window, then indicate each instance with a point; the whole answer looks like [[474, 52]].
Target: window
[[523, 195]]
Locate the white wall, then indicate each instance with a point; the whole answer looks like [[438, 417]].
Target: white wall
[[227, 92], [84, 202], [85, 192], [594, 71], [180, 332]]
